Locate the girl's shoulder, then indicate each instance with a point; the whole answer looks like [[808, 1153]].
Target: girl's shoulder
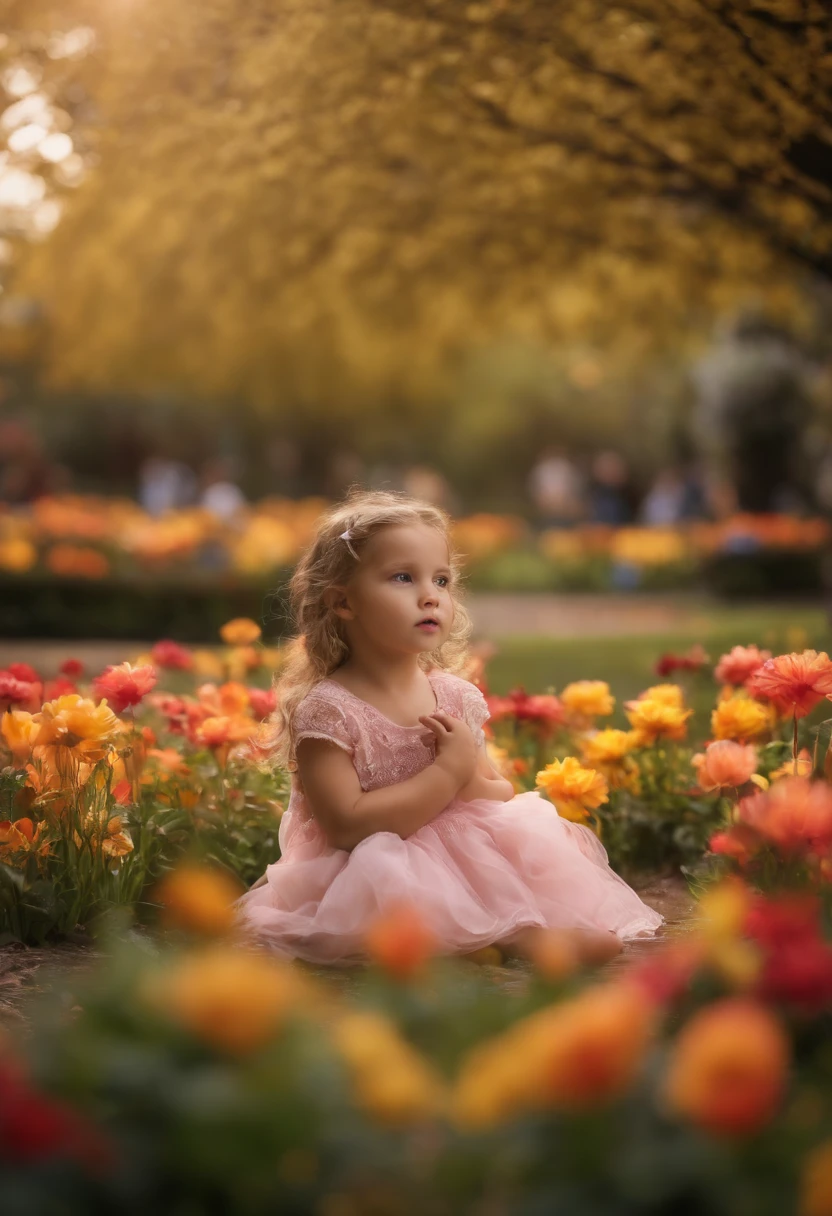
[[462, 698], [322, 714]]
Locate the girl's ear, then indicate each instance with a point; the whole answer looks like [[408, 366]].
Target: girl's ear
[[336, 599]]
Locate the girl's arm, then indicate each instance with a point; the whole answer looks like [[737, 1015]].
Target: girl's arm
[[349, 814], [487, 782]]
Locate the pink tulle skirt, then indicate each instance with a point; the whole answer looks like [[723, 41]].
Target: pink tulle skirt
[[477, 873]]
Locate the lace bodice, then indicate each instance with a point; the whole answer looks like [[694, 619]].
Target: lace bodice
[[383, 752]]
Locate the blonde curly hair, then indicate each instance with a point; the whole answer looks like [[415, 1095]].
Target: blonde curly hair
[[320, 646]]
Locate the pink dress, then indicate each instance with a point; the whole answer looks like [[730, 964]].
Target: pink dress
[[477, 873]]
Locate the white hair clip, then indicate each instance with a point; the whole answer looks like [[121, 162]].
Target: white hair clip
[[347, 538]]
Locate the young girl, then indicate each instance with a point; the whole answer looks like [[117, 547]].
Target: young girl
[[394, 799]]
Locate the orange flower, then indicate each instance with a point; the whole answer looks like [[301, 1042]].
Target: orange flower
[[816, 1182], [723, 764], [653, 720], [75, 724], [739, 663], [401, 942], [575, 790], [795, 682], [199, 899], [579, 1054], [19, 839], [72, 561], [235, 1000], [793, 813], [125, 684], [739, 717], [223, 730], [242, 631], [587, 699], [729, 1066], [230, 698]]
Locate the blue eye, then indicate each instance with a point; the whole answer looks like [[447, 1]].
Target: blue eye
[[443, 580], [396, 576]]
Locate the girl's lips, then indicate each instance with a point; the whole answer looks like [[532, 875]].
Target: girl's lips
[[428, 626]]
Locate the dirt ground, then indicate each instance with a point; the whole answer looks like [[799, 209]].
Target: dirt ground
[[27, 970]]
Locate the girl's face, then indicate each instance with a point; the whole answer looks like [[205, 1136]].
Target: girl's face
[[399, 597]]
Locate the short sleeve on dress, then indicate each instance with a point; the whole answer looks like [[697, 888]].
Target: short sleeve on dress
[[475, 710], [317, 717]]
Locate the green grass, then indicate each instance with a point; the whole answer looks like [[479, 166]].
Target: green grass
[[627, 662]]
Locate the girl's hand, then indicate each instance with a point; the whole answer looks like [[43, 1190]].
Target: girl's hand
[[456, 749]]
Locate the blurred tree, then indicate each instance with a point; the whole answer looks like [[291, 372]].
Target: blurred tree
[[327, 201]]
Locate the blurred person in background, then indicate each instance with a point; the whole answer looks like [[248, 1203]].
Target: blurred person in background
[[26, 473], [284, 463], [166, 484], [610, 490], [676, 495], [220, 493], [345, 468], [421, 481], [556, 487]]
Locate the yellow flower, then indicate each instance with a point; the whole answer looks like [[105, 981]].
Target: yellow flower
[[804, 767], [738, 717], [587, 699], [665, 694], [575, 790], [392, 1081], [20, 731], [242, 631], [206, 663], [608, 746], [17, 554], [77, 724], [19, 839], [231, 998], [653, 720]]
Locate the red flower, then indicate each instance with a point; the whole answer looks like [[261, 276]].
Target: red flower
[[22, 671], [739, 842], [738, 664], [125, 685], [693, 660], [545, 710], [72, 668], [795, 682], [263, 701], [123, 792], [34, 1127], [168, 653], [778, 922], [59, 687], [798, 962]]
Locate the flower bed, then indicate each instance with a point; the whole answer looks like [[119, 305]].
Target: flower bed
[[82, 566], [195, 1074]]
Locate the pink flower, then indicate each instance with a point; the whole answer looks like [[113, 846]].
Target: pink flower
[[725, 763], [125, 685], [14, 691], [170, 654], [739, 663], [795, 682]]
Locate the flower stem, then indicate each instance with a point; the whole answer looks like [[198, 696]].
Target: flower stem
[[794, 745]]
